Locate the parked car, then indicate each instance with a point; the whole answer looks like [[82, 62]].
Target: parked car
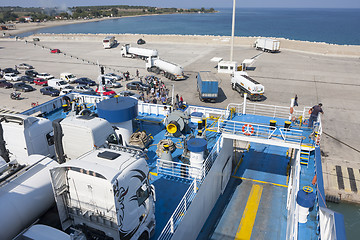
[[45, 76], [40, 82], [66, 90], [5, 84], [129, 94], [31, 73], [11, 77], [49, 91], [84, 89], [27, 79], [85, 81], [23, 87], [141, 41], [9, 70], [25, 66], [55, 50], [136, 85], [106, 92], [113, 76]]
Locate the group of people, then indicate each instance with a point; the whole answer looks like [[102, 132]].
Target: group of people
[[157, 91]]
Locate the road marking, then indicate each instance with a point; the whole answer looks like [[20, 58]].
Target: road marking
[[254, 180], [248, 218]]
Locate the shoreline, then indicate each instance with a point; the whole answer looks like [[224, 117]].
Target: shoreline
[[319, 48]]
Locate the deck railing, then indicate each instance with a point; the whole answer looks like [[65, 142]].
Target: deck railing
[[293, 188], [206, 111], [150, 108], [260, 131], [185, 202]]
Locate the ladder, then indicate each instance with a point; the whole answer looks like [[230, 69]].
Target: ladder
[[304, 156]]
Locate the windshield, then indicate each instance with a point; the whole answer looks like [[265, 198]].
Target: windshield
[[62, 82]]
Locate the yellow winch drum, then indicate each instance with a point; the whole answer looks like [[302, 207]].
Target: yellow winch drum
[[171, 128]]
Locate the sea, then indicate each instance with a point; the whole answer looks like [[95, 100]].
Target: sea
[[334, 26]]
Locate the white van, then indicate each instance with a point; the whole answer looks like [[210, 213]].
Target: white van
[[109, 41], [68, 77], [58, 84]]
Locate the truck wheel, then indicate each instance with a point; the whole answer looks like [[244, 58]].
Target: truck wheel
[[148, 69], [233, 86]]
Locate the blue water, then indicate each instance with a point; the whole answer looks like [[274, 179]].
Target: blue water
[[338, 26]]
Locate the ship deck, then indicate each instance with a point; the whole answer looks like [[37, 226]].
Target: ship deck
[[254, 204]]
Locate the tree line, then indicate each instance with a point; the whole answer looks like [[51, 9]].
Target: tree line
[[8, 14]]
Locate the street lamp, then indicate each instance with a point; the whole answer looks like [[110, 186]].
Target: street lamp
[[232, 31]]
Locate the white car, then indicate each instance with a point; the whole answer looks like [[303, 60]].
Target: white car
[[113, 76], [25, 66], [66, 90], [11, 77], [45, 76]]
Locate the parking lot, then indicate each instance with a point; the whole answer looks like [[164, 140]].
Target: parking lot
[[332, 81]]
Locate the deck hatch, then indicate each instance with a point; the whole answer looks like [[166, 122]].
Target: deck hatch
[[340, 178], [108, 155]]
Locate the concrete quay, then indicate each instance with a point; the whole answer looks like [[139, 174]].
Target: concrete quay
[[314, 77]]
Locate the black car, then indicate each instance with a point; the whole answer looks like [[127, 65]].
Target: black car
[[141, 41], [31, 73], [137, 86], [85, 81], [5, 84], [26, 79], [10, 70], [23, 87], [50, 91]]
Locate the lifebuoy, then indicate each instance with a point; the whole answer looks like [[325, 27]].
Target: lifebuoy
[[291, 110], [293, 119], [310, 110], [248, 129]]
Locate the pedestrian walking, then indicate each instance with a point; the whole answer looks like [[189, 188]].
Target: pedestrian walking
[[137, 73], [295, 101], [315, 110], [181, 99]]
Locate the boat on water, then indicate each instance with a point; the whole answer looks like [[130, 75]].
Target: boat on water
[[250, 171]]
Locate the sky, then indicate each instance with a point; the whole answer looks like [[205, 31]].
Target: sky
[[189, 3]]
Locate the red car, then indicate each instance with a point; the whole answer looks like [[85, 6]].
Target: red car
[[106, 92], [40, 81], [55, 50]]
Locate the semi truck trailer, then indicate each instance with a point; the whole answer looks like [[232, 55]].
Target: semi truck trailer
[[170, 70], [267, 45], [134, 52], [207, 86], [242, 83]]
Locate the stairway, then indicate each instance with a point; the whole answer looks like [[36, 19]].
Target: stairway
[[304, 156]]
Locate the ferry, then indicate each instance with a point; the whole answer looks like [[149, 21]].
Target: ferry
[[148, 171]]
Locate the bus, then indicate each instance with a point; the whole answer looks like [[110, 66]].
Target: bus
[[109, 41]]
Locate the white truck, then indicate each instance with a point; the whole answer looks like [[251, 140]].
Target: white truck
[[242, 83], [170, 70], [106, 193], [267, 45], [76, 135], [25, 186], [68, 77], [58, 84], [108, 42], [134, 52]]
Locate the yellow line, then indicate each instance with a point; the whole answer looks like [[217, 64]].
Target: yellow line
[[248, 218], [254, 180], [153, 173]]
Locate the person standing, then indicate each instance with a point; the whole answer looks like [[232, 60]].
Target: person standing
[[137, 73], [295, 101], [315, 110]]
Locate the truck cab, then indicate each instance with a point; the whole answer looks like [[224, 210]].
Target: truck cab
[[70, 134], [107, 194]]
